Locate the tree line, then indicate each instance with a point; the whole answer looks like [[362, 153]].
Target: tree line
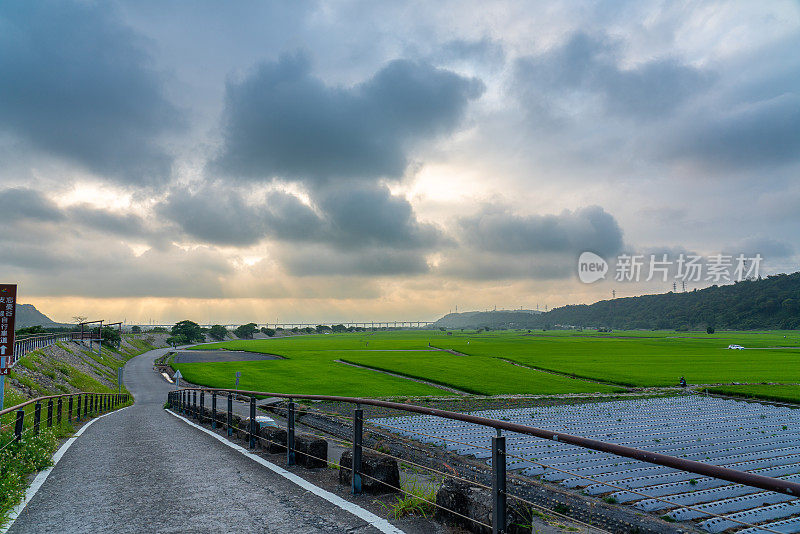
[[185, 332]]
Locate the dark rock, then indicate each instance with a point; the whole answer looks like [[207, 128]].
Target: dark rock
[[382, 473], [310, 451], [273, 440], [222, 418], [205, 415], [476, 503], [239, 427]]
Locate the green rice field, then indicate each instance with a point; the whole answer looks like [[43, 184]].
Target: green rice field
[[504, 362]]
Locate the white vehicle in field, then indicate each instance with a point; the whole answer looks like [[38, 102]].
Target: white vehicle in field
[[736, 347]]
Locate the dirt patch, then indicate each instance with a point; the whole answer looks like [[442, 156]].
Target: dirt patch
[[208, 356]]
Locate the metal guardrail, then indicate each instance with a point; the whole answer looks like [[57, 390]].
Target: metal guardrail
[[82, 404], [186, 400], [29, 343]]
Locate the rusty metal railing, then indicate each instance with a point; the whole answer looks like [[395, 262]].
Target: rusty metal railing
[[82, 405], [28, 343], [186, 400]]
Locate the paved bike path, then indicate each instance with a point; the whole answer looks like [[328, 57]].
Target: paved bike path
[[143, 470]]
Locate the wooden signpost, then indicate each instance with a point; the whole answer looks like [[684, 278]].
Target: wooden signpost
[[8, 312]]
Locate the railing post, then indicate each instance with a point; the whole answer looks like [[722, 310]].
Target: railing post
[[200, 415], [85, 406], [49, 413], [213, 410], [498, 484], [78, 412], [194, 404], [37, 417], [253, 428], [290, 434], [358, 433], [230, 414], [18, 424], [60, 409]]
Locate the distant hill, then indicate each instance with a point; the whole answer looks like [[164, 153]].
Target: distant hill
[[490, 319], [28, 315], [769, 303]]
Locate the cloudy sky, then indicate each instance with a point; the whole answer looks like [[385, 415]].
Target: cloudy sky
[[254, 161]]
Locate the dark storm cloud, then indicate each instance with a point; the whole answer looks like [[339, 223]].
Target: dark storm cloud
[[585, 69], [372, 216], [219, 215], [354, 217], [750, 135], [31, 216], [281, 120], [590, 228], [19, 203], [497, 245], [122, 224], [77, 84]]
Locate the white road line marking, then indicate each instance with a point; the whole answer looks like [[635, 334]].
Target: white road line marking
[[374, 520], [42, 476]]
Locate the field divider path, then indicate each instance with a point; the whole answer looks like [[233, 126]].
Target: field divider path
[[533, 368], [557, 373], [404, 377]]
